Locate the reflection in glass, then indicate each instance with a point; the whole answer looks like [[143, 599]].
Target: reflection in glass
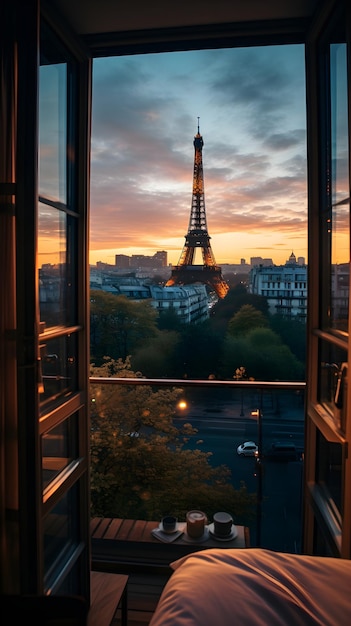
[[53, 131], [60, 533], [54, 270], [59, 448], [329, 471], [332, 377], [340, 228], [59, 369]]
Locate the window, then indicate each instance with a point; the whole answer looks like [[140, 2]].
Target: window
[[327, 517], [62, 420]]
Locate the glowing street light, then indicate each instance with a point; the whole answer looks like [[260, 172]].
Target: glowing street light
[[182, 405]]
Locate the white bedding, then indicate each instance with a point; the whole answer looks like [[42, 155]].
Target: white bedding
[[255, 587]]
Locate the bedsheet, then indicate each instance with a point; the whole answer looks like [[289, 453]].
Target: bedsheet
[[255, 587]]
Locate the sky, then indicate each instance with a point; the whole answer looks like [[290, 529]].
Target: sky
[[252, 116]]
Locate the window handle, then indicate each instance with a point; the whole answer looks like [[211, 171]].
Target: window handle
[[340, 386]]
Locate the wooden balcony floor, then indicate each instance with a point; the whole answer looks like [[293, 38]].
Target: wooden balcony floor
[[144, 591]]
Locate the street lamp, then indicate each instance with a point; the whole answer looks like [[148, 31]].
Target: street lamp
[[258, 413]]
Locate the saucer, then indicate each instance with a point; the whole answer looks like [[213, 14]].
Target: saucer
[[179, 527], [233, 534]]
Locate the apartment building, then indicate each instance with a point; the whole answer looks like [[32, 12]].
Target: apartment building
[[189, 302], [284, 286]]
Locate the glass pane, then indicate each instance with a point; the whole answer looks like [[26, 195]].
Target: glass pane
[[329, 472], [333, 381], [340, 227], [53, 131], [59, 369], [60, 533], [59, 448], [55, 268]]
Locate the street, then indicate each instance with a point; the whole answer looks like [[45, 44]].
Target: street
[[221, 433]]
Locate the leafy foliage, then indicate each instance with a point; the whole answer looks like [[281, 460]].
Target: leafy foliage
[[200, 350], [158, 354], [245, 320], [292, 332], [118, 325], [236, 297], [140, 468], [264, 355], [163, 347]]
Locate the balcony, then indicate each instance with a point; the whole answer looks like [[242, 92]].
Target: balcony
[[224, 414]]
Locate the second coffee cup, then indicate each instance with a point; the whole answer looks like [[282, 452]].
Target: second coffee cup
[[195, 524]]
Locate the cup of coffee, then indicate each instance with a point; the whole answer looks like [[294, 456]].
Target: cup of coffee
[[222, 524], [195, 523], [169, 523]]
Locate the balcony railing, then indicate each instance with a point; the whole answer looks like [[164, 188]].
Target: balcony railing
[[224, 414]]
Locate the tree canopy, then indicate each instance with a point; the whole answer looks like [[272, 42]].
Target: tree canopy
[[118, 325], [245, 320], [140, 467], [262, 354], [161, 346]]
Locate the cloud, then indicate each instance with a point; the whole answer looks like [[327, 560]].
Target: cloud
[[251, 105]]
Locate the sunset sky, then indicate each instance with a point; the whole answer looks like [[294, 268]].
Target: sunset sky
[[251, 105]]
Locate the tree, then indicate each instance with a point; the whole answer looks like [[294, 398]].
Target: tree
[[169, 320], [263, 354], [245, 320], [236, 297], [200, 350], [292, 332], [139, 465], [118, 325], [158, 354]]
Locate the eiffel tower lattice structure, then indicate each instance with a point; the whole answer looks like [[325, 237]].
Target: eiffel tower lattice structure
[[186, 272]]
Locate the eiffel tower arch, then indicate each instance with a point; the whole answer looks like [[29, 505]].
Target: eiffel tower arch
[[185, 272]]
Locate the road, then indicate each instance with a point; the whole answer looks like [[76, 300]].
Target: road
[[281, 521]]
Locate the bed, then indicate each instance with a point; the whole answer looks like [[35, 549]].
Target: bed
[[255, 587]]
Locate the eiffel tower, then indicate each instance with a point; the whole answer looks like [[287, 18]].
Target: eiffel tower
[[186, 272]]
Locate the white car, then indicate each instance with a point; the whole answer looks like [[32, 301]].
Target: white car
[[248, 448]]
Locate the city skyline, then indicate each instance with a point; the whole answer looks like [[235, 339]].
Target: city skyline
[[242, 261], [251, 111]]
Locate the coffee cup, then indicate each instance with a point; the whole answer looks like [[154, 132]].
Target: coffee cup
[[195, 524], [222, 524], [169, 523]]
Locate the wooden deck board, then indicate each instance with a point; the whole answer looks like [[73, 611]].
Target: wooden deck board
[[107, 593], [125, 530], [94, 524], [144, 592], [140, 531], [113, 529], [119, 545], [100, 529]]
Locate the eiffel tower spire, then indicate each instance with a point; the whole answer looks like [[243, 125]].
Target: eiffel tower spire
[[197, 237]]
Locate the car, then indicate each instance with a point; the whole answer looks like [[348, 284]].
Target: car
[[133, 433], [249, 448], [283, 451]]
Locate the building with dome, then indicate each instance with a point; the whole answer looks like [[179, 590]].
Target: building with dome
[[284, 286]]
